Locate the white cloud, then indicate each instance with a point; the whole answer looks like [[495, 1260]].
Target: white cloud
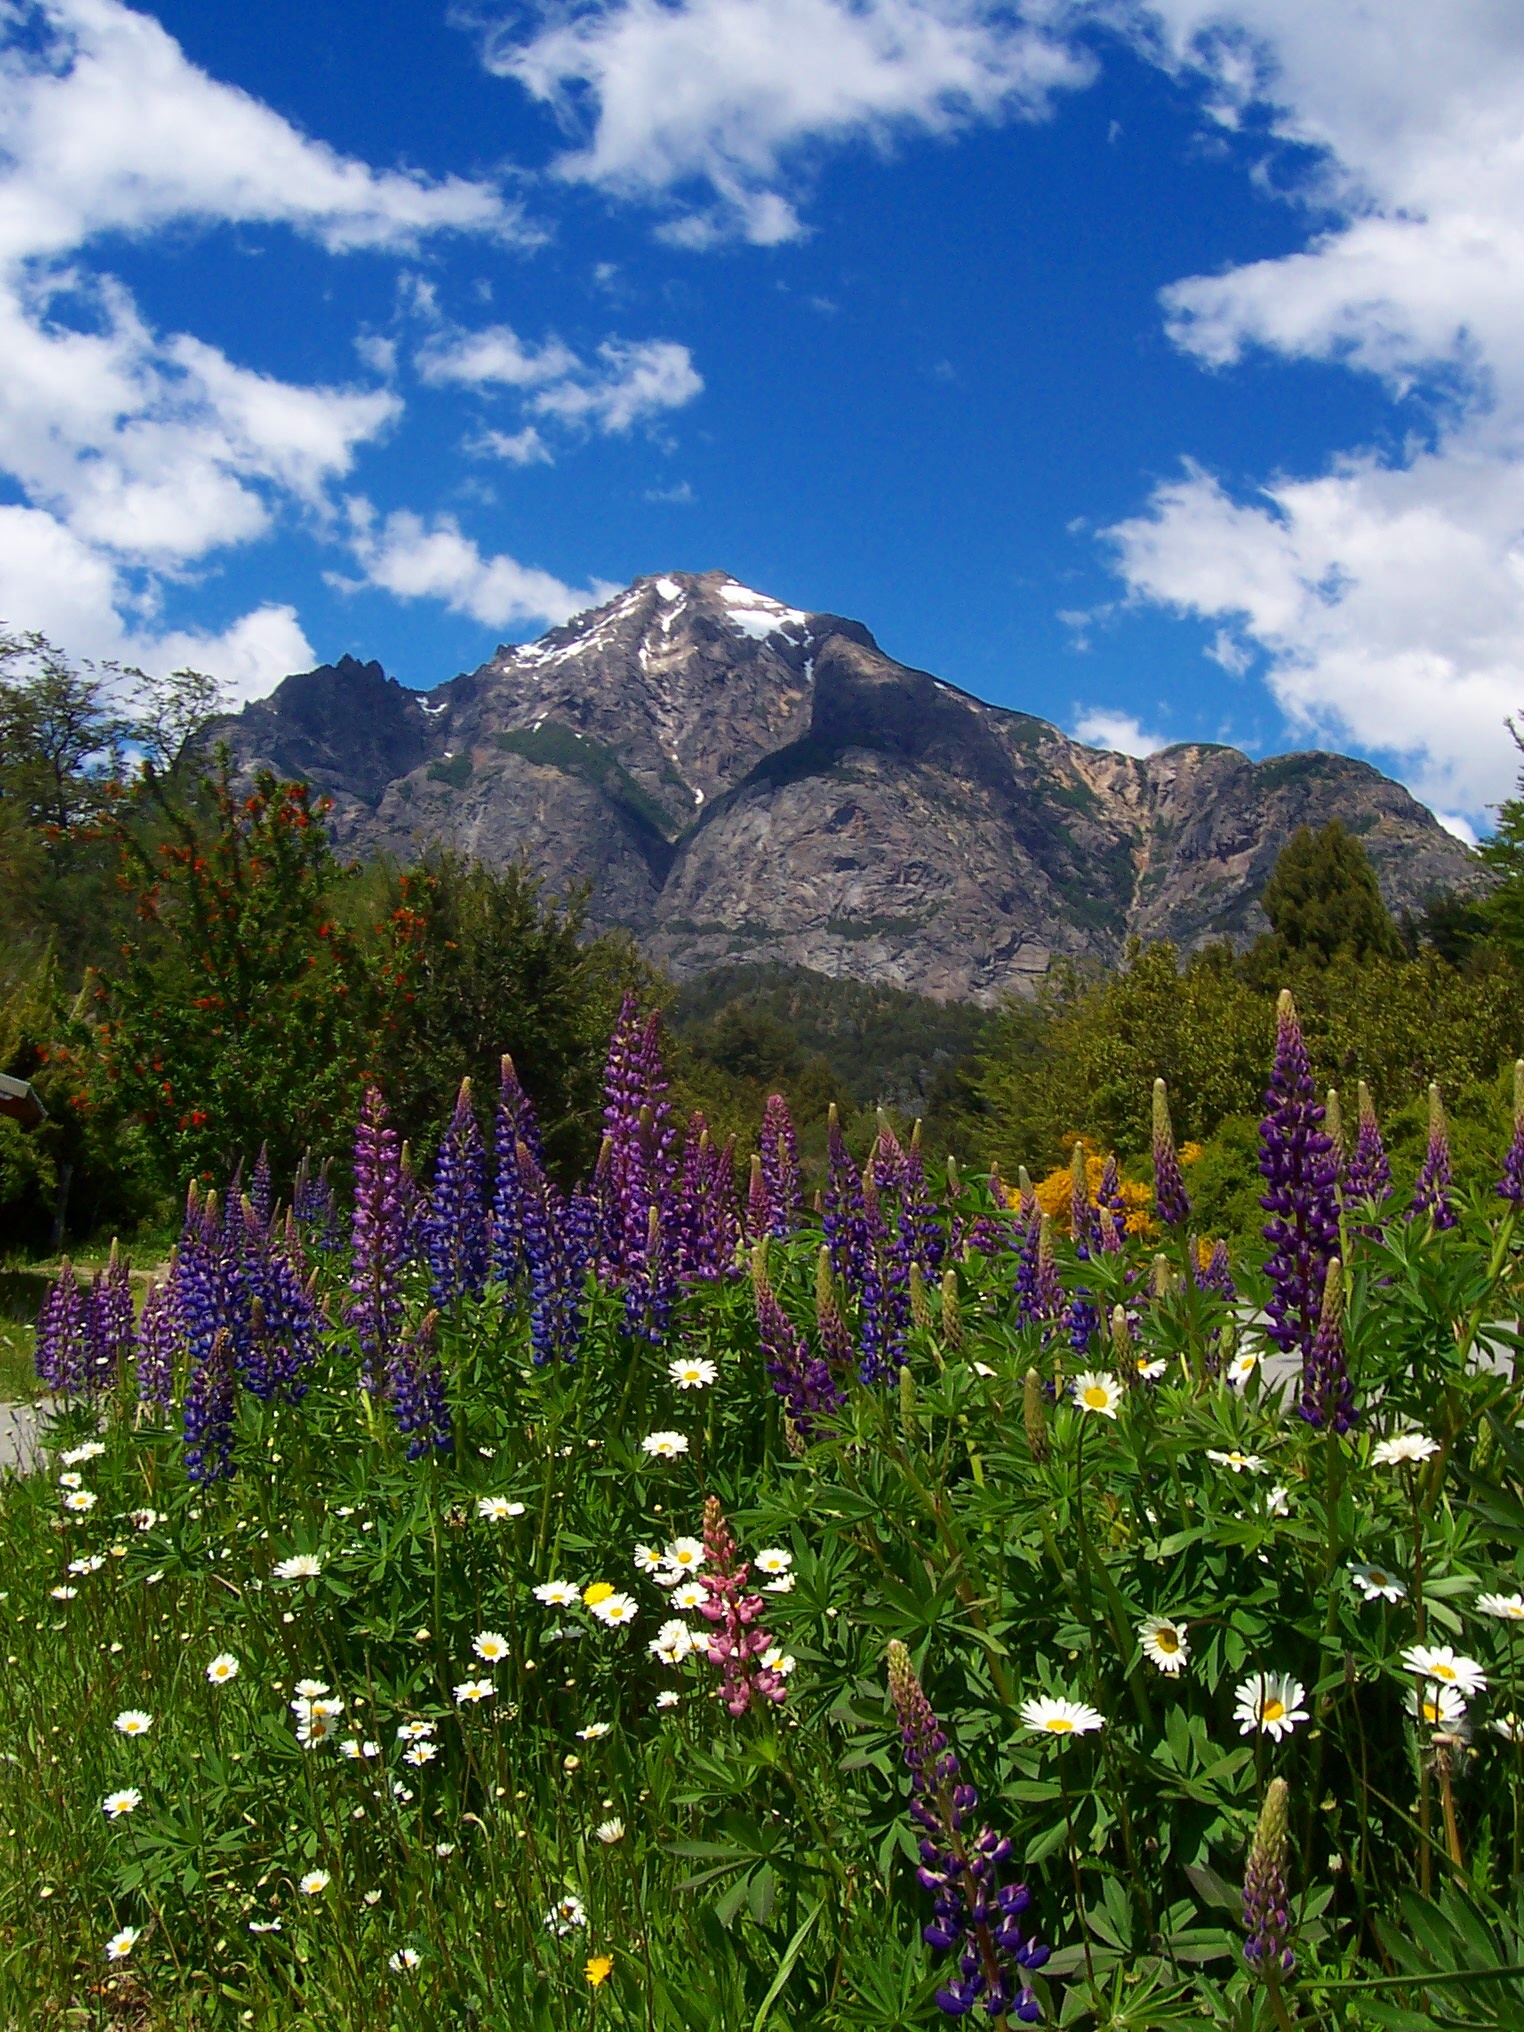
[[495, 355], [519, 448], [436, 560], [1387, 591], [249, 659], [725, 95], [625, 384], [1099, 727]]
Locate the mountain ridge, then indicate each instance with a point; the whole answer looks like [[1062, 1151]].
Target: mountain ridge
[[739, 780]]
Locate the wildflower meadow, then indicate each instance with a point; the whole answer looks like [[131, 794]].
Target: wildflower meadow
[[685, 1600]]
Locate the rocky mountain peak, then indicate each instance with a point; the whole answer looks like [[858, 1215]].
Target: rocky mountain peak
[[739, 779]]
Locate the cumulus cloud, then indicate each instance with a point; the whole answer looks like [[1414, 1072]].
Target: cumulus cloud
[[624, 384], [414, 559], [717, 100], [1099, 727], [1388, 590]]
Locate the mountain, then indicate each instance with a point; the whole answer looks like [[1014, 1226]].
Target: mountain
[[740, 781]]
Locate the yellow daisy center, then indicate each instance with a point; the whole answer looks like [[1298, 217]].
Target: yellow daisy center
[[1097, 1397], [1378, 1578], [1274, 1710], [1446, 1672], [1167, 1639], [1059, 1725]]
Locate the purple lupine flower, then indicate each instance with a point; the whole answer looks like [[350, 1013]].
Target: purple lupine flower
[[1082, 1321], [455, 1233], [1431, 1196], [1109, 1192], [918, 1213], [1216, 1274], [514, 1124], [642, 1240], [415, 1384], [1080, 1227], [885, 1290], [835, 1335], [559, 1243], [1328, 1396], [759, 1212], [974, 1914], [1511, 1185], [378, 1243], [738, 1642], [1368, 1175], [804, 1381], [59, 1353], [208, 1412], [707, 1228], [1171, 1201], [158, 1339], [780, 1167], [1039, 1291], [1296, 1161], [844, 1219], [261, 1188], [313, 1205], [109, 1325], [1267, 1908], [196, 1278], [276, 1338]]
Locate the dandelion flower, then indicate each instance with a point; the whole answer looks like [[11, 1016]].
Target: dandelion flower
[[63, 1594], [1440, 1663], [404, 1961], [616, 1610], [1094, 1392], [1376, 1584], [222, 1668], [1510, 1608], [1270, 1702], [593, 1731], [300, 1566], [313, 1882], [115, 1804], [647, 1559], [1051, 1717], [91, 1449], [599, 1968], [120, 1945], [664, 1445], [556, 1594], [1241, 1368], [667, 1698], [1164, 1643], [610, 1831], [490, 1646], [692, 1372], [420, 1754], [773, 1559], [474, 1690], [1437, 1707], [566, 1913], [133, 1722], [80, 1501], [1234, 1459], [1405, 1446], [498, 1509], [600, 1591]]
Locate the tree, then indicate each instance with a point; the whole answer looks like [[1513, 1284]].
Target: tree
[[1503, 856], [1322, 898]]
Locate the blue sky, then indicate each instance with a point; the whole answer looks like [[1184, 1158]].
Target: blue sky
[[1158, 369]]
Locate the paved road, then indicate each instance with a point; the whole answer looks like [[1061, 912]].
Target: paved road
[[18, 1435]]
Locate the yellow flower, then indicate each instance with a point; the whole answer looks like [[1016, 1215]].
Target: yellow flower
[[598, 1592], [599, 1968]]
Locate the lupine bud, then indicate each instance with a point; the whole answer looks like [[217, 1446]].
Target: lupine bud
[[1431, 1196], [1333, 1126], [415, 1384], [952, 1311], [1034, 1416], [758, 1262], [1171, 1202], [907, 1405], [1267, 1908], [920, 1304], [1328, 1398], [954, 1183], [1161, 1283], [758, 1210], [1121, 1340], [1027, 1191], [1511, 1184], [1368, 1175]]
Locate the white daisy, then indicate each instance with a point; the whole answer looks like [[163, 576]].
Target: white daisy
[[355, 1750], [566, 1913], [416, 1732], [313, 1882], [664, 1445], [444, 1848], [91, 1449], [311, 1689], [93, 1564], [1271, 1702], [1237, 1461], [667, 1698], [71, 1481], [404, 1960], [300, 1566], [1276, 1502], [143, 1520], [133, 1722], [672, 1643], [777, 1660], [1509, 1608], [593, 1731], [1440, 1663], [1164, 1643], [222, 1668], [474, 1690], [490, 1646], [1150, 1370], [1509, 1727], [1241, 1368], [1404, 1446], [647, 1559], [1094, 1392], [684, 1555], [616, 1610], [121, 1944], [80, 1501], [1049, 1716], [783, 1585], [557, 1594], [692, 1372], [773, 1559], [63, 1594], [115, 1804], [402, 1793], [1376, 1583], [498, 1509], [264, 1926], [691, 1595], [419, 1755], [610, 1831], [1438, 1707]]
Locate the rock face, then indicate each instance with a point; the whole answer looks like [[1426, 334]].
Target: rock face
[[742, 781]]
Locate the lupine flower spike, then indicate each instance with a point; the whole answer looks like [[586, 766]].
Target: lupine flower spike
[[1171, 1202], [1333, 1129], [1432, 1194], [60, 1346], [1511, 1184], [1296, 1161], [455, 1229], [738, 1644], [1328, 1397], [1368, 1175], [1267, 1907], [375, 1312], [975, 1916]]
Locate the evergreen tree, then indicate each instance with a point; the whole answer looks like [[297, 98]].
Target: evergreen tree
[[1322, 899], [1503, 855]]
